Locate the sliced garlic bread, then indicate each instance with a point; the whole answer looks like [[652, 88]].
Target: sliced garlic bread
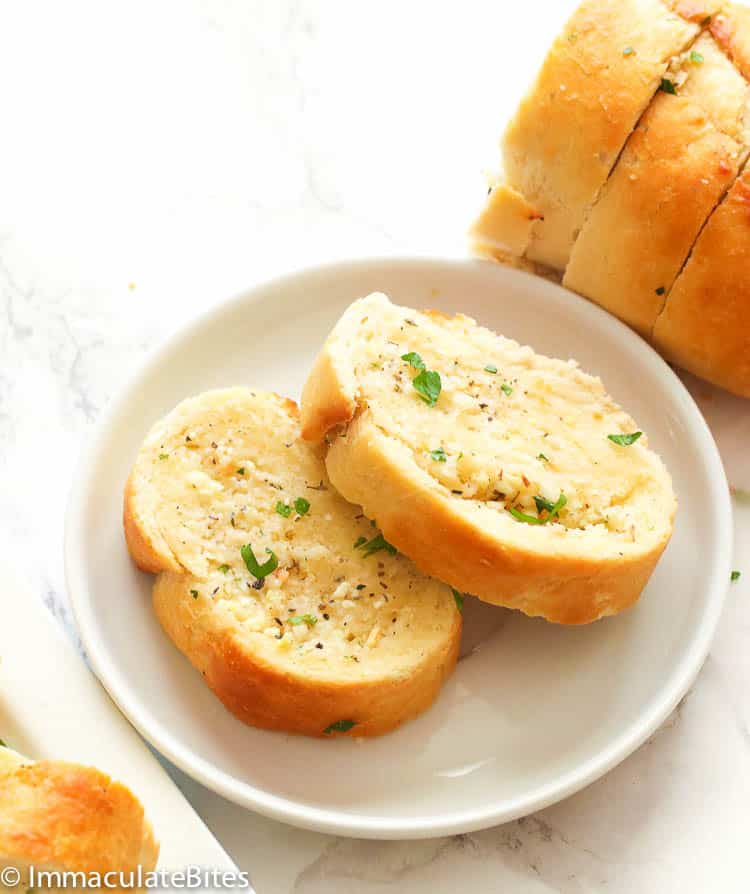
[[674, 170], [60, 816], [597, 79], [491, 466], [705, 324], [300, 616]]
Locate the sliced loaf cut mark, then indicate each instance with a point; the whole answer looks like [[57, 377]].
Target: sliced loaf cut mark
[[675, 168], [339, 635], [596, 81], [705, 324], [465, 486]]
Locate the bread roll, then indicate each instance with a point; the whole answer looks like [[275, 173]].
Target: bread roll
[[61, 816], [674, 170], [489, 465], [338, 635]]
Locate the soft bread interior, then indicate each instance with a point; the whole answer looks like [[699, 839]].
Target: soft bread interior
[[227, 469], [509, 427]]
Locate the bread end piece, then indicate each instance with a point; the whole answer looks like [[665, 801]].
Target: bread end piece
[[64, 816]]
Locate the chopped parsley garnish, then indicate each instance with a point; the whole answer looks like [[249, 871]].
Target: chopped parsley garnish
[[241, 471], [224, 569], [428, 386], [257, 570], [438, 455], [628, 51], [625, 440], [696, 57], [301, 506], [491, 369], [706, 21], [543, 457], [542, 505], [668, 86], [735, 575], [506, 389], [370, 547], [414, 360], [194, 594], [661, 290], [310, 620], [340, 726], [283, 509], [163, 456], [2, 744], [522, 516], [459, 598]]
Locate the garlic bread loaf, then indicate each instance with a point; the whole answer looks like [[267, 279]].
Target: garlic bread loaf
[[621, 176], [597, 79], [507, 474], [60, 816], [298, 613], [682, 157]]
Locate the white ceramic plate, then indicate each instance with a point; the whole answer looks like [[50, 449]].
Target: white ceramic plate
[[532, 714]]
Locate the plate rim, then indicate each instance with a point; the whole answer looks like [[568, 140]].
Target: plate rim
[[340, 821]]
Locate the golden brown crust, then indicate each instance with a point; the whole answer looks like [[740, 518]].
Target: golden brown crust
[[426, 526], [266, 696], [144, 550], [60, 815], [566, 136], [326, 401], [675, 168], [705, 325], [731, 29]]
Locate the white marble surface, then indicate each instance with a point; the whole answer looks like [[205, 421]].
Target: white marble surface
[[157, 157]]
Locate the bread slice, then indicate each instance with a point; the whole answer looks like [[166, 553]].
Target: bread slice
[[678, 163], [460, 486], [339, 635], [61, 816], [705, 324], [596, 81]]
